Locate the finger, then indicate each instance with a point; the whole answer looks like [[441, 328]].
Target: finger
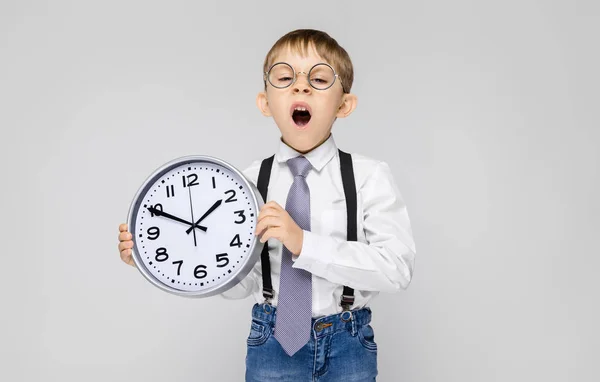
[[267, 207], [125, 255], [125, 236], [123, 227], [125, 245], [273, 204], [270, 221], [271, 233], [269, 211], [128, 259]]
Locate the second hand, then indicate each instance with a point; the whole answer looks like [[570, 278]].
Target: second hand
[[192, 210]]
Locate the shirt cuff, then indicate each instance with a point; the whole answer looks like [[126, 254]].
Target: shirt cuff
[[316, 252]]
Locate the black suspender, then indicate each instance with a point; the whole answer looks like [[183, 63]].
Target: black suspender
[[350, 192], [263, 184], [348, 182]]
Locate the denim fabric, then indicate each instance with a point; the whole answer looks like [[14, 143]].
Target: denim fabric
[[341, 348]]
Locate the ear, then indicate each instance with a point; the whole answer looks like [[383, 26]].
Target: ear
[[263, 104], [348, 105]]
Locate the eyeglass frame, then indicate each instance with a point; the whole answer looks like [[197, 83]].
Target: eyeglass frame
[[335, 76]]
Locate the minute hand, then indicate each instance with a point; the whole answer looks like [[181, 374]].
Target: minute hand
[[161, 213], [210, 210]]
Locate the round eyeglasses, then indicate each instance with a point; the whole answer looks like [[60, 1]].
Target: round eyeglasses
[[321, 76]]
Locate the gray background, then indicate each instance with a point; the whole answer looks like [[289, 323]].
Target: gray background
[[487, 113]]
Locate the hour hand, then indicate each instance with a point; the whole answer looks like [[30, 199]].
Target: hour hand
[[158, 212], [210, 210]]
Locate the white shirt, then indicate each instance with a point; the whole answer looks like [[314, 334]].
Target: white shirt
[[381, 260]]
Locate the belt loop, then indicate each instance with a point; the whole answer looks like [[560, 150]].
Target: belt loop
[[353, 324]]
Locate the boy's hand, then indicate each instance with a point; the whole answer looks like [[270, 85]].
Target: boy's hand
[[277, 223], [125, 245]]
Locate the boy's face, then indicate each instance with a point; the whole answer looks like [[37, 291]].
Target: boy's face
[[298, 130]]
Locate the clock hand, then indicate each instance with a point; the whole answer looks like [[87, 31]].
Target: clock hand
[[210, 210], [192, 211], [161, 213]]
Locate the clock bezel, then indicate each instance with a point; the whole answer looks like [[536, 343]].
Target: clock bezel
[[254, 250]]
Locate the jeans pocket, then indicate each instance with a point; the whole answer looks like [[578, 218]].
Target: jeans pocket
[[366, 336], [259, 333]]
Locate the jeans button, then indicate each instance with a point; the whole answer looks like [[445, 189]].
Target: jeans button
[[319, 326]]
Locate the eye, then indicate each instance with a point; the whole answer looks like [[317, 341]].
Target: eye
[[285, 79]]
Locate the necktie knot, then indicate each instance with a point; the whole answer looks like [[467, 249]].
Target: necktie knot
[[299, 166]]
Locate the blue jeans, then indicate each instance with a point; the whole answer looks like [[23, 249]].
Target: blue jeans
[[341, 348]]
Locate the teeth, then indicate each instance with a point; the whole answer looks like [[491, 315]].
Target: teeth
[[299, 108]]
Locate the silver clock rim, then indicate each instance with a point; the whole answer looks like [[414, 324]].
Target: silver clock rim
[[255, 249]]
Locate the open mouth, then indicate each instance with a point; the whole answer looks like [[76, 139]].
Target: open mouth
[[301, 117], [301, 114]]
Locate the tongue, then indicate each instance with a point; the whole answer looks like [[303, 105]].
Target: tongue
[[301, 118]]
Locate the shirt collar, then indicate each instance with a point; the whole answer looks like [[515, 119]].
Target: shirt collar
[[318, 157]]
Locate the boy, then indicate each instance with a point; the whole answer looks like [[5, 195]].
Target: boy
[[343, 236]]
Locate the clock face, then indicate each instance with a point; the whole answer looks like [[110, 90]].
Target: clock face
[[193, 225]]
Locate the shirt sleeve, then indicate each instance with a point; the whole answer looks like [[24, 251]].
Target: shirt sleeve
[[385, 262], [243, 289], [248, 284]]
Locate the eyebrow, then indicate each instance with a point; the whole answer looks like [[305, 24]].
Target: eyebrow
[[303, 71]]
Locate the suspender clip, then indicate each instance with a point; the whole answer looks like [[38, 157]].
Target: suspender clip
[[347, 302], [268, 295]]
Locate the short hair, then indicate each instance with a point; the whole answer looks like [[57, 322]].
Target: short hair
[[326, 46]]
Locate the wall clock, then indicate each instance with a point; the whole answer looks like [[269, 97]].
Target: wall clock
[[193, 222]]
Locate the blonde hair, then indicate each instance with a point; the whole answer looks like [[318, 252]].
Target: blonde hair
[[325, 45]]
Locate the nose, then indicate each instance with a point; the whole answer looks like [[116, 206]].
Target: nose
[[301, 85]]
